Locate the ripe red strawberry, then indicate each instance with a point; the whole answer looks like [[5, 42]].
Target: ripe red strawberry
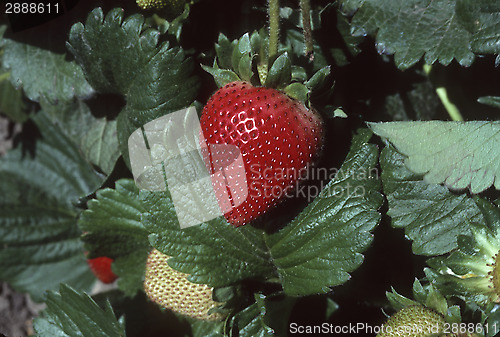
[[278, 139], [101, 267]]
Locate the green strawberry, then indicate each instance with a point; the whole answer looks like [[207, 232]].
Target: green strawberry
[[171, 289], [414, 321]]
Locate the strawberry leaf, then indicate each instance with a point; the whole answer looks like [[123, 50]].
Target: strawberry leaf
[[458, 154], [11, 101], [398, 301], [71, 313], [414, 29], [155, 79], [323, 244], [41, 72], [245, 67], [100, 144], [200, 250], [96, 137], [104, 71], [266, 317], [38, 229], [200, 328], [113, 228], [73, 117], [481, 17], [214, 253], [431, 215]]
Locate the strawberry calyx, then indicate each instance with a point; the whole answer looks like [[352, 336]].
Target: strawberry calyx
[[175, 11], [414, 321], [472, 272], [247, 59], [425, 315], [159, 4]]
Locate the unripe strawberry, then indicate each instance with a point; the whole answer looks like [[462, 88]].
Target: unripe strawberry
[[171, 289], [158, 4], [101, 267], [414, 321]]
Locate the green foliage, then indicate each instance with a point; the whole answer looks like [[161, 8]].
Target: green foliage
[[490, 100], [96, 137], [154, 78], [38, 194], [42, 73], [11, 100], [306, 261], [199, 250], [71, 313], [468, 271], [100, 144], [263, 318], [280, 72], [426, 295], [65, 191], [206, 328], [113, 228], [431, 215], [438, 31], [460, 155], [324, 243]]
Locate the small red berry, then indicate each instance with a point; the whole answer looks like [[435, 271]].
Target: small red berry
[[101, 267]]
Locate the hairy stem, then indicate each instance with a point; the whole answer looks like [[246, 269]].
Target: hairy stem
[[451, 108], [305, 9], [274, 27]]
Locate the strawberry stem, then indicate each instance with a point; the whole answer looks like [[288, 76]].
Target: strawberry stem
[[442, 93], [274, 27], [305, 9]]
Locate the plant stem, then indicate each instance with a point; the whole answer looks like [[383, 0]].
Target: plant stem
[[442, 93], [274, 27], [305, 9]]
